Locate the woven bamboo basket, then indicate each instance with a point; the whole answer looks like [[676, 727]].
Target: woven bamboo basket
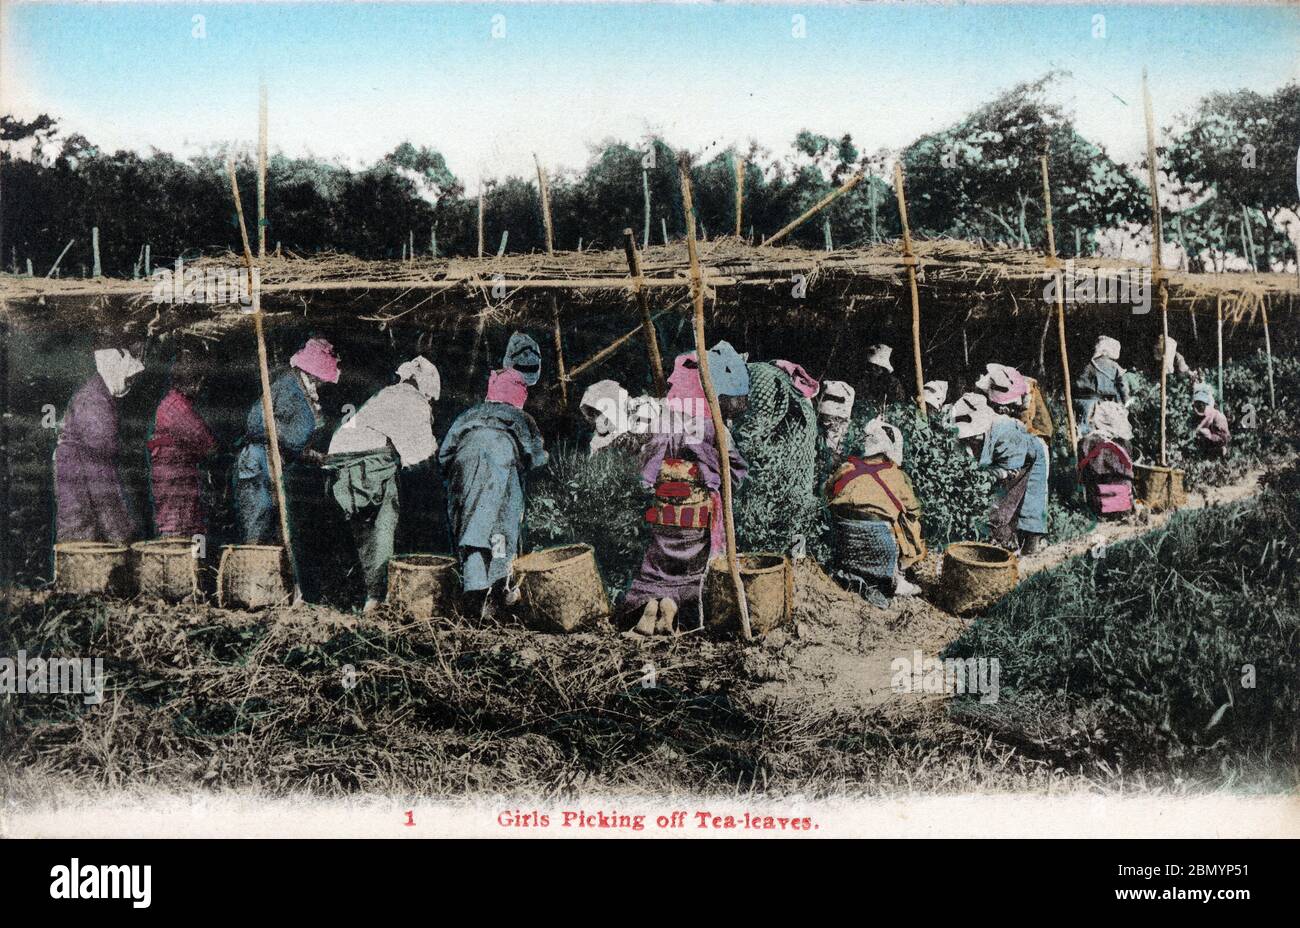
[[1159, 488], [252, 576], [422, 585], [976, 575], [100, 567], [166, 568], [560, 589], [769, 591]]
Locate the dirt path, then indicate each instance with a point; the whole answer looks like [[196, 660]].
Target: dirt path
[[1111, 532], [839, 657]]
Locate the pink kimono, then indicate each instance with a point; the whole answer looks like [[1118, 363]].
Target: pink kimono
[[180, 442]]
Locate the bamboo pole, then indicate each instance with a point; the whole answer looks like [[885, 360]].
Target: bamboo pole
[[1054, 265], [740, 192], [545, 190], [261, 172], [645, 228], [609, 349], [1218, 310], [264, 370], [909, 259], [1268, 353], [816, 208], [55, 266], [480, 221], [647, 324], [1157, 268], [721, 436], [559, 353]]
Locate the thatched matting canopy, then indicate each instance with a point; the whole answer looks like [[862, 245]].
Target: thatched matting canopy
[[513, 289]]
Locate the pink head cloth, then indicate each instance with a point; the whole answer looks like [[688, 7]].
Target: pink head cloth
[[684, 382], [507, 386], [803, 381], [1003, 384], [318, 359]]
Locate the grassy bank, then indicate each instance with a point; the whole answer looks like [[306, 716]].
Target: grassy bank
[[1177, 651]]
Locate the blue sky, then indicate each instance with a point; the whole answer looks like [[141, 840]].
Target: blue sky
[[352, 80]]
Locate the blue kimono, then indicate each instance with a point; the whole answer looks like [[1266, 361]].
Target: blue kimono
[[1102, 379], [296, 423], [484, 458], [1020, 496]]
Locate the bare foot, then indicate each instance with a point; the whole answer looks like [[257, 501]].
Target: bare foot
[[649, 618]]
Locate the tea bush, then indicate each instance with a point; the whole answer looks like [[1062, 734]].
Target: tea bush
[[597, 499], [1258, 429], [1162, 650]]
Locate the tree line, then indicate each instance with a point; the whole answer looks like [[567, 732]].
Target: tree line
[[1226, 165]]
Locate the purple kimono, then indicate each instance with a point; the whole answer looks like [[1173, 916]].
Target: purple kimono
[[91, 503], [678, 556]]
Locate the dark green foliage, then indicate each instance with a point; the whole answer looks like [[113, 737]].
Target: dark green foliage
[[1144, 655], [1258, 430], [597, 499]]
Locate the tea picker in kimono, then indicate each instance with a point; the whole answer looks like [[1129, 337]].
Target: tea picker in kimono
[[1103, 379], [181, 442], [880, 387], [485, 458], [1105, 461], [876, 518], [1165, 352], [523, 355], [681, 463], [1010, 393], [92, 502], [936, 396], [391, 431], [834, 412], [298, 420], [618, 420], [1210, 430], [1019, 464]]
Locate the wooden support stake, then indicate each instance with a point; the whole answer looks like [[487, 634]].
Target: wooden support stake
[[147, 258], [663, 226], [609, 349], [1053, 264], [1268, 353], [1250, 239], [645, 228], [721, 436], [55, 266], [740, 192], [480, 221], [647, 324], [545, 190], [410, 248], [910, 260], [261, 171], [264, 369], [816, 208], [1218, 310], [1157, 268], [559, 354], [96, 270], [505, 237]]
